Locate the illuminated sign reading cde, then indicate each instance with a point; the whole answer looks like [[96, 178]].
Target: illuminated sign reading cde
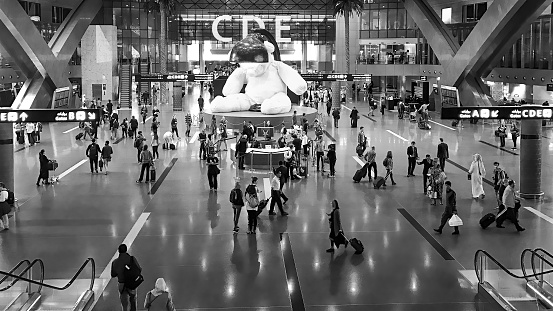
[[49, 115], [498, 112], [250, 18]]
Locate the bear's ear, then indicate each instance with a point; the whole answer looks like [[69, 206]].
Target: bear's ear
[[269, 46]]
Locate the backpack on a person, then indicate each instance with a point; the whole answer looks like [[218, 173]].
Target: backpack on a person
[[385, 162], [132, 275], [137, 142], [233, 197]]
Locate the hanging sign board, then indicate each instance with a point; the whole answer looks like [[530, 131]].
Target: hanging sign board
[[498, 112], [49, 115]]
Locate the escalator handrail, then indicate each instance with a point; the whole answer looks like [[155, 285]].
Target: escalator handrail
[[13, 270], [93, 266], [29, 267], [534, 254], [479, 276]]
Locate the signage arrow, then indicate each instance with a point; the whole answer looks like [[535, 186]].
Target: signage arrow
[[23, 116]]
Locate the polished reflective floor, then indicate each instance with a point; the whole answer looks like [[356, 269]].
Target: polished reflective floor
[[181, 231]]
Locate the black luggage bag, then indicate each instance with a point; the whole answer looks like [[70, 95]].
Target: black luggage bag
[[358, 176], [359, 150], [153, 174], [487, 220], [357, 245], [378, 182], [172, 146]]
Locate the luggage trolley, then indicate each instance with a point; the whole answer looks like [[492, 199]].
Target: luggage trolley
[[52, 166], [412, 112]]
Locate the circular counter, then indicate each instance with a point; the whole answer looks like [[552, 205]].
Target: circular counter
[[257, 118], [260, 158]]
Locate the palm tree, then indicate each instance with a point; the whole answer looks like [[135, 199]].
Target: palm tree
[[346, 8], [166, 9]]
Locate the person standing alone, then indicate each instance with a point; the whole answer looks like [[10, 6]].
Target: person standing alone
[[443, 153], [450, 208], [412, 156]]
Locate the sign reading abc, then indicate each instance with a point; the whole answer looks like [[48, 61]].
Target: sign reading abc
[[49, 115], [498, 112]]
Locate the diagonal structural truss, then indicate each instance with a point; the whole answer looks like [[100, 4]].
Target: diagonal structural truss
[[499, 28], [43, 64]]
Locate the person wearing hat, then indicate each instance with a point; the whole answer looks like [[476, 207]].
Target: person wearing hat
[[241, 148], [93, 153]]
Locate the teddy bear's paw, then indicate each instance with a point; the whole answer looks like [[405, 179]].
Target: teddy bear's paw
[[279, 103], [235, 102]]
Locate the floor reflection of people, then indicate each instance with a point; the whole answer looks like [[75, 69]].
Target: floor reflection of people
[[213, 209], [237, 257], [253, 257], [336, 266]]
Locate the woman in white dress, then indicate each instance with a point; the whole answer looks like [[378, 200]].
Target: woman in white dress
[[477, 171]]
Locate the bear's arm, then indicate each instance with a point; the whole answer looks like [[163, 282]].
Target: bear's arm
[[235, 82], [291, 78]]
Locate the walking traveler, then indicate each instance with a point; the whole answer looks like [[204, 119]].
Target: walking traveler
[[275, 195], [427, 165], [477, 171], [336, 116], [159, 298], [7, 200], [437, 179], [237, 201], [370, 158], [389, 165], [450, 208], [155, 145], [331, 155], [241, 148], [114, 128], [93, 153], [295, 118], [305, 144], [354, 116], [212, 171], [283, 179], [188, 122], [412, 157], [134, 126], [203, 144], [514, 134], [328, 106], [201, 103], [499, 178], [502, 135], [146, 159], [38, 130], [361, 141], [121, 264], [320, 148], [30, 129], [144, 113], [443, 153], [512, 202], [107, 151], [336, 235], [139, 144], [43, 172], [125, 128], [252, 204]]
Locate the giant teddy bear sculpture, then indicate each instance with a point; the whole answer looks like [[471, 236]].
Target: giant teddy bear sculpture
[[265, 76]]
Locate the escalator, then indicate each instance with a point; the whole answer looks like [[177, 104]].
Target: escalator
[[125, 98], [506, 290], [20, 290]]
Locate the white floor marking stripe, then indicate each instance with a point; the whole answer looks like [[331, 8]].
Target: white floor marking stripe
[[539, 214], [148, 118], [72, 168], [69, 130], [194, 137], [356, 158], [396, 135], [267, 188], [447, 127], [343, 106], [129, 240]]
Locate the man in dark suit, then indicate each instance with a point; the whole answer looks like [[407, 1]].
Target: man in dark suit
[[241, 148], [412, 156], [443, 153], [450, 208]]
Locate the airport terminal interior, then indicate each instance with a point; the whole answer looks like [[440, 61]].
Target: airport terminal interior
[[409, 62]]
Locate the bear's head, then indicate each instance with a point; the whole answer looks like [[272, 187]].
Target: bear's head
[[255, 52]]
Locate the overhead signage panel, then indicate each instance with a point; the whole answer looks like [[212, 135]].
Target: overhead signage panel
[[174, 77], [336, 76], [49, 115], [526, 112]]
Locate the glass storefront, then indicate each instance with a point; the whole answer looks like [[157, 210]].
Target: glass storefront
[[386, 19]]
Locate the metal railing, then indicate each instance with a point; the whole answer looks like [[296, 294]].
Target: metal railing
[[19, 277], [542, 261], [480, 264]]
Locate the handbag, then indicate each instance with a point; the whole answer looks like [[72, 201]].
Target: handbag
[[469, 176], [434, 195], [455, 221]]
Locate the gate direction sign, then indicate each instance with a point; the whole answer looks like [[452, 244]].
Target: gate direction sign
[[526, 112], [174, 77], [49, 115], [210, 77]]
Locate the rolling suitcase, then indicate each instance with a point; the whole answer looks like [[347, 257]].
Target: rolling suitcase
[[357, 245], [153, 173], [172, 147], [378, 182], [79, 136], [487, 220], [358, 176]]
